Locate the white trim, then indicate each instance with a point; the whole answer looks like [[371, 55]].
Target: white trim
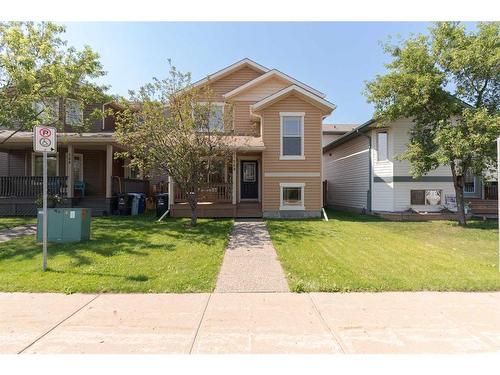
[[292, 174], [219, 74], [35, 154], [300, 185], [80, 178], [285, 91], [269, 74], [292, 114]]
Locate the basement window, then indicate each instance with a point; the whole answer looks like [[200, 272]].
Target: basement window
[[292, 196], [425, 197]]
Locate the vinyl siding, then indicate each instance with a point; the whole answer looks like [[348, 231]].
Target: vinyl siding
[[4, 163], [243, 124], [402, 193], [271, 155], [329, 138], [347, 172], [232, 81], [262, 90]]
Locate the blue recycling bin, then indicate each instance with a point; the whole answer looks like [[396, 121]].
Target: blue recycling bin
[[142, 203]]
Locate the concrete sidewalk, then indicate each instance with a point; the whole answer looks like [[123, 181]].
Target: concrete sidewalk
[[20, 231], [250, 261], [424, 322]]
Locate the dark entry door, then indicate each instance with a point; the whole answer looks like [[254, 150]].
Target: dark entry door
[[249, 180]]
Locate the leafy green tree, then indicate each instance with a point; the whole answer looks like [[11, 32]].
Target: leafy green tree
[[172, 126], [448, 83], [40, 75]]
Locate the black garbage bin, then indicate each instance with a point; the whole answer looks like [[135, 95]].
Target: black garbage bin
[[161, 201], [125, 204]]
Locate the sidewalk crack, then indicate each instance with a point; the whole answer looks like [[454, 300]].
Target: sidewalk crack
[[199, 324], [58, 324], [334, 335]]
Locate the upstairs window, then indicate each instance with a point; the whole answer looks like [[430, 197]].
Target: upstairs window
[[292, 135], [74, 112], [382, 146], [216, 119], [47, 111]]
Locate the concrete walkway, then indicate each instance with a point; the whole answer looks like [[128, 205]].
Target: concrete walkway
[[250, 261], [20, 231], [424, 322]]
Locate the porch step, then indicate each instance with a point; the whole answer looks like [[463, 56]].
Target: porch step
[[249, 210]]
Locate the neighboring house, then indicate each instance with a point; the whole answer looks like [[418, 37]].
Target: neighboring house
[[85, 161], [363, 174], [332, 132], [275, 169]]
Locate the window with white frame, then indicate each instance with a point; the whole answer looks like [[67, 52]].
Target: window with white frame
[[469, 183], [292, 135], [216, 119], [74, 112], [292, 196], [382, 146], [47, 111]]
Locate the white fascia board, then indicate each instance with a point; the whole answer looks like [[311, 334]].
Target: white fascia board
[[230, 68], [270, 74], [286, 90]]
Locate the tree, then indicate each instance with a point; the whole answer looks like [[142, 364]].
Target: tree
[[171, 125], [448, 83], [39, 74]]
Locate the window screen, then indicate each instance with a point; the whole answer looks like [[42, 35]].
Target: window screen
[[381, 146], [51, 166], [417, 197], [216, 118], [292, 135]]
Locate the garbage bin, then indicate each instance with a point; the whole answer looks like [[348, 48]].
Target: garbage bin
[[124, 204], [142, 203], [65, 225], [135, 197], [161, 201]]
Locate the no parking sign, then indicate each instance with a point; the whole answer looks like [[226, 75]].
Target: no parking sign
[[45, 139]]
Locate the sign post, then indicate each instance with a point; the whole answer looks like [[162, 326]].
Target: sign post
[[44, 141]]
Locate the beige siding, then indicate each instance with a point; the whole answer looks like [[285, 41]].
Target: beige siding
[[243, 124], [271, 162], [346, 169], [232, 81], [262, 90], [312, 192]]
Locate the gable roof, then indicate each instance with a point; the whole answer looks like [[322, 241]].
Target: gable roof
[[270, 74], [310, 97], [231, 68]]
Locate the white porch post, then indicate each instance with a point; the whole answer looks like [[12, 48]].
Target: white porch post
[[69, 171], [109, 170], [234, 178]]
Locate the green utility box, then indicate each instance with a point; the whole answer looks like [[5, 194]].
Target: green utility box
[[65, 224]]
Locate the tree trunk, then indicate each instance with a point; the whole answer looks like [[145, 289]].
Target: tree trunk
[[459, 193], [193, 203]]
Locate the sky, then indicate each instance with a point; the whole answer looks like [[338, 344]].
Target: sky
[[336, 58]]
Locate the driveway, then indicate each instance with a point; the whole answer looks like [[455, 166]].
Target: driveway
[[334, 323]]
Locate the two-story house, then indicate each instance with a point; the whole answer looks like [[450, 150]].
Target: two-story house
[[275, 169]]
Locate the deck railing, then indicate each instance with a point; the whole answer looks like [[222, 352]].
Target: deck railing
[[130, 185], [209, 193], [31, 186]]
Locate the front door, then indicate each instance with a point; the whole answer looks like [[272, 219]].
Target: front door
[[249, 180]]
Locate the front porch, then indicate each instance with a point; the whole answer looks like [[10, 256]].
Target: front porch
[[234, 192], [89, 168]]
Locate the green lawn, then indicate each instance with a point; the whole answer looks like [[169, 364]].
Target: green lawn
[[11, 222], [125, 255], [361, 253]]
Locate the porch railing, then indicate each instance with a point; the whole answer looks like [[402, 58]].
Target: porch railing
[[220, 193], [130, 185], [31, 186]]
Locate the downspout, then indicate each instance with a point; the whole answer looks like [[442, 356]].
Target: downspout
[[369, 195]]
